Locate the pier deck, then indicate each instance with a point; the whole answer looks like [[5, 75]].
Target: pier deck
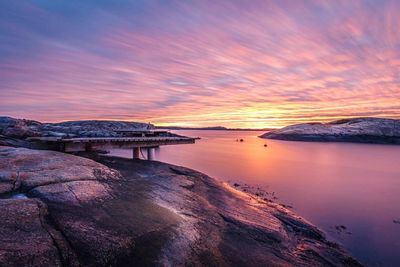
[[101, 143]]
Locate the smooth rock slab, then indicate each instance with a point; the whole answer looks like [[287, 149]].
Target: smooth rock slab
[[23, 239], [144, 213], [24, 169]]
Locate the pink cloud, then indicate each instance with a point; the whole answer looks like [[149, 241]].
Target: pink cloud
[[249, 65]]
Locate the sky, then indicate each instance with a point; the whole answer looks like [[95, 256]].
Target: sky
[[248, 64]]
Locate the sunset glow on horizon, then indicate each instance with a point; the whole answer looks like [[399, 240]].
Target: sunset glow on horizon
[[240, 64]]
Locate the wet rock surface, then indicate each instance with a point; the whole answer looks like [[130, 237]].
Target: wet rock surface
[[138, 213], [358, 130]]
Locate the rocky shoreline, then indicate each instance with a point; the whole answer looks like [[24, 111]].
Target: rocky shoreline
[[358, 130], [60, 209], [102, 211]]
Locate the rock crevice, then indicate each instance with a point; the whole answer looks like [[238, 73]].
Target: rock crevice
[[66, 254]]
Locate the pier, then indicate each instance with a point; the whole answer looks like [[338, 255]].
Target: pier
[[132, 139]]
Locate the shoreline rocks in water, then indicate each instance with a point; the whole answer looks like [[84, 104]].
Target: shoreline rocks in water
[[121, 212], [358, 130]]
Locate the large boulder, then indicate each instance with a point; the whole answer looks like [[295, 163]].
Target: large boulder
[[75, 211]]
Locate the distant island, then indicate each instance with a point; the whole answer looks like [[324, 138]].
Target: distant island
[[213, 128], [357, 130]]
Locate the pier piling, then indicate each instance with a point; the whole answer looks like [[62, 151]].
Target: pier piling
[[136, 153], [150, 153]]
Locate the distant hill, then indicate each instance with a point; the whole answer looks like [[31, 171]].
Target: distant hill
[[358, 130], [214, 128]]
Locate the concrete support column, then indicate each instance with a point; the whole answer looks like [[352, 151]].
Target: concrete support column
[[136, 153], [150, 153]]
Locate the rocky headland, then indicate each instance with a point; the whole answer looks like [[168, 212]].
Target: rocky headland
[[357, 130], [58, 209]]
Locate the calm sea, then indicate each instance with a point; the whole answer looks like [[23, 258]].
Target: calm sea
[[351, 191]]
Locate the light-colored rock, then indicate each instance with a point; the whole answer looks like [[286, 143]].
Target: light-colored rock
[[27, 168], [366, 130], [21, 128]]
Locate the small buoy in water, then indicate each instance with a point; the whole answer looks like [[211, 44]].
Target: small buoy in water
[[241, 140], [265, 145]]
